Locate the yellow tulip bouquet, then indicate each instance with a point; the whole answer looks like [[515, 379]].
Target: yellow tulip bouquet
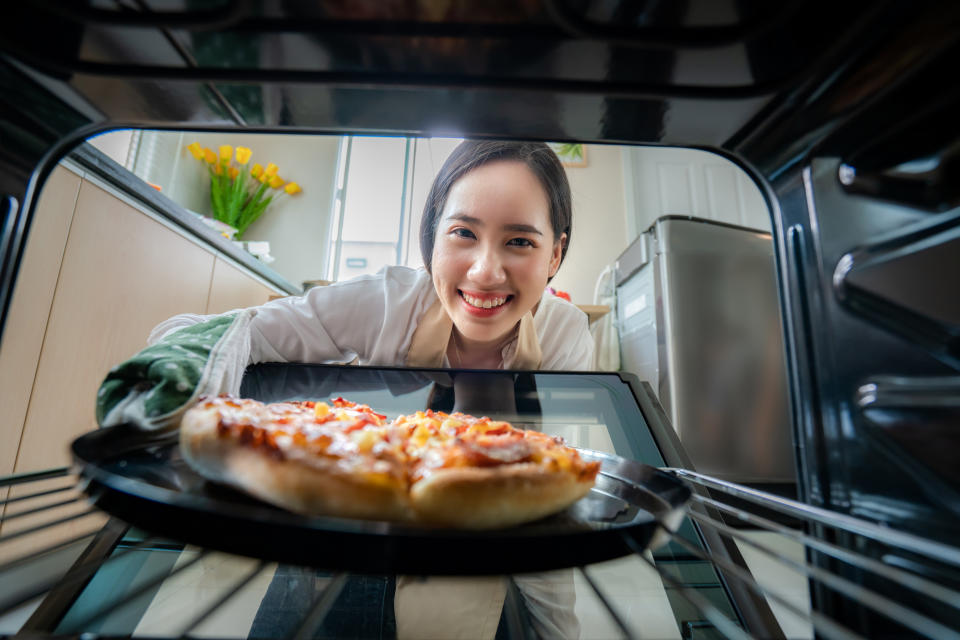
[[237, 196]]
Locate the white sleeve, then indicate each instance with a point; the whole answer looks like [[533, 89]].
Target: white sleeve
[[565, 340], [335, 323], [174, 324]]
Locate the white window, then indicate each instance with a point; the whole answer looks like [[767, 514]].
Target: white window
[[382, 185]]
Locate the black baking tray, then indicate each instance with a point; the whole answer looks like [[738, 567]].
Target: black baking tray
[[142, 479]]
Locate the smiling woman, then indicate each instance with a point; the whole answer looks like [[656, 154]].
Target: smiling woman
[[495, 229]]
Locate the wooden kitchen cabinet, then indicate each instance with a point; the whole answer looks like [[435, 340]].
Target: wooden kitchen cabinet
[[97, 276], [122, 273], [231, 288], [30, 307]]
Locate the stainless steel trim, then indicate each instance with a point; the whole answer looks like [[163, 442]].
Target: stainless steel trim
[[320, 608], [929, 548], [222, 600], [885, 606], [46, 525], [20, 514], [617, 619], [821, 623], [31, 496], [139, 591], [713, 615], [33, 476], [76, 575], [926, 587]]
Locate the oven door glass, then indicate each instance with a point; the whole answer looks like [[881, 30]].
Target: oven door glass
[[601, 411]]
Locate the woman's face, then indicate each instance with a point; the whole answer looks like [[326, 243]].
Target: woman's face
[[494, 249]]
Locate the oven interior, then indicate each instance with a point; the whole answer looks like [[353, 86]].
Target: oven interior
[[842, 116]]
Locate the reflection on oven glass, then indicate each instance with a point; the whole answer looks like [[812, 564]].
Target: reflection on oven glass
[[592, 411], [558, 604]]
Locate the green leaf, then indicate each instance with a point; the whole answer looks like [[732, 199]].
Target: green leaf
[[570, 151], [236, 199], [252, 208], [216, 195]]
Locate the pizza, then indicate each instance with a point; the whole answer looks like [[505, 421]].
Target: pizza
[[480, 473], [312, 458], [345, 459]]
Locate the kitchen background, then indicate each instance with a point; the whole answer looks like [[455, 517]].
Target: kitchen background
[[109, 257], [95, 279], [380, 187]]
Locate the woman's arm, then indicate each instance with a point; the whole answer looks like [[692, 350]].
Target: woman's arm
[[191, 355], [565, 339]]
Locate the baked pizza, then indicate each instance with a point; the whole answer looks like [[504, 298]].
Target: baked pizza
[[312, 458], [345, 459], [479, 473]]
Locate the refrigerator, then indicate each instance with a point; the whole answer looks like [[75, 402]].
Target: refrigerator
[[699, 319]]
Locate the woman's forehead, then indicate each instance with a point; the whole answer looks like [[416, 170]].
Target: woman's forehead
[[498, 190]]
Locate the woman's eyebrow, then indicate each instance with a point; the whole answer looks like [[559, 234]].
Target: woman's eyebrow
[[523, 228]]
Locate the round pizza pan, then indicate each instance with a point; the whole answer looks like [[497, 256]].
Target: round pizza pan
[[142, 479]]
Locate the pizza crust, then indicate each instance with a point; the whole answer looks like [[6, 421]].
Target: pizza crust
[[493, 497], [310, 488], [243, 444]]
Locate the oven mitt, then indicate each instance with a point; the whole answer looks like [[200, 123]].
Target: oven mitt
[[154, 388]]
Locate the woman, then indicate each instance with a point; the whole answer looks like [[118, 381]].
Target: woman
[[495, 230]]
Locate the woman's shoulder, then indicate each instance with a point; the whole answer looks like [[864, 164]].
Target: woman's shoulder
[[564, 333], [392, 287], [405, 275], [391, 274], [554, 309]]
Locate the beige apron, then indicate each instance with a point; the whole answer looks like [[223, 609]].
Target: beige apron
[[432, 335], [455, 607]]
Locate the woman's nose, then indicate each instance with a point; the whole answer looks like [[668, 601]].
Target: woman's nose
[[487, 268]]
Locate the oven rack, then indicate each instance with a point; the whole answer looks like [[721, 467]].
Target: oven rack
[[41, 585]]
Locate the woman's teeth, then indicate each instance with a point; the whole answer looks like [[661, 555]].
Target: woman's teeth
[[487, 303]]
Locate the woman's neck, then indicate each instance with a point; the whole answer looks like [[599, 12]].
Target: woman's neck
[[463, 353]]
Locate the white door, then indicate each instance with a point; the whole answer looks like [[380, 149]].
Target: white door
[[690, 182]]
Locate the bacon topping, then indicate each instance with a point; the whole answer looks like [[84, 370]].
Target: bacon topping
[[489, 451], [355, 438]]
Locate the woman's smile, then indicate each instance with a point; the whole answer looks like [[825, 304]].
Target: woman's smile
[[485, 305], [494, 250]]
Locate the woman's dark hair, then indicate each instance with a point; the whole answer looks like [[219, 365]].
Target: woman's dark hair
[[469, 155]]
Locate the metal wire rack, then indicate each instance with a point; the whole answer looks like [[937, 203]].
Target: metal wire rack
[[39, 587]]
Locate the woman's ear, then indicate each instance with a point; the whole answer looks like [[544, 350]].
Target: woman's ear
[[557, 254]]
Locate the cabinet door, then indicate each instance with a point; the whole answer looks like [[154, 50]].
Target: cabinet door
[[231, 288], [122, 273], [30, 307]]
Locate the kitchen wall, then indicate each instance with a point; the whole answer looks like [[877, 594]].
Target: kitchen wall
[[618, 194], [599, 222], [297, 227]]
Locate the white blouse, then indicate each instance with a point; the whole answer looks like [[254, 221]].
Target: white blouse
[[372, 320], [395, 318]]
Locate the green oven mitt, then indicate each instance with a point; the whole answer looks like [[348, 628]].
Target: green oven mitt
[[155, 387]]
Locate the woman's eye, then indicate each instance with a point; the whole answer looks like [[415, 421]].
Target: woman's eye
[[463, 233], [520, 242]]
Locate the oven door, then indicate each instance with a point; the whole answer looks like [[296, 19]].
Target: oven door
[[611, 413]]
